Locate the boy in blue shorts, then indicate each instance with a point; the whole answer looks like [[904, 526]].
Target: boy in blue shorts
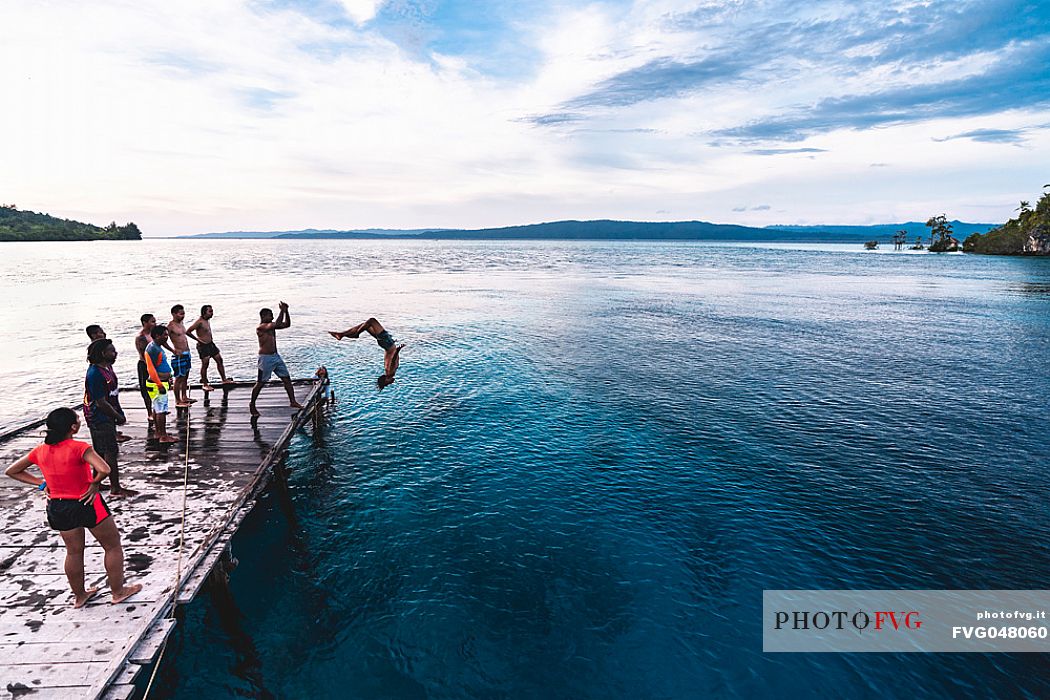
[[270, 362], [181, 359]]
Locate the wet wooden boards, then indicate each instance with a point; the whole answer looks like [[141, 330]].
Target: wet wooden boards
[[50, 650]]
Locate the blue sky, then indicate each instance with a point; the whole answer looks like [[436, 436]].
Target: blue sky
[[274, 114]]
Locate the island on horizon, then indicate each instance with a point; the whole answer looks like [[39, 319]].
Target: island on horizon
[[609, 230], [22, 225]]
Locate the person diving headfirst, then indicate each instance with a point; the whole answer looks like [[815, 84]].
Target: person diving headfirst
[[391, 350]]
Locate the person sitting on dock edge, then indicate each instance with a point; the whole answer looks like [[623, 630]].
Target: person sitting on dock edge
[[74, 503], [206, 347], [270, 362], [391, 350]]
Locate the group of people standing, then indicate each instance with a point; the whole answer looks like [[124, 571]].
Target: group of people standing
[[73, 471], [156, 375]]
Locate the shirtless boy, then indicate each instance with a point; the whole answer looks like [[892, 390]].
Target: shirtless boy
[[269, 361], [391, 350], [181, 359], [206, 347]]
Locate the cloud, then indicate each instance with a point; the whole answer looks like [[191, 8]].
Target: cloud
[[659, 79], [263, 99], [497, 38], [784, 151], [1013, 136], [1008, 84], [361, 11], [825, 65], [553, 119]]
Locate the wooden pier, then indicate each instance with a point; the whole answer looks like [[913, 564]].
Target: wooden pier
[[50, 650]]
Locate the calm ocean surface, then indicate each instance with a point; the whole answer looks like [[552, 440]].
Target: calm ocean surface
[[595, 458]]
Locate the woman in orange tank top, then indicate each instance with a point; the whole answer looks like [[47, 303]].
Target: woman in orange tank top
[[72, 471]]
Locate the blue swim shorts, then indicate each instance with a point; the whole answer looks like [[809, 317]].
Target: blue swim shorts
[[272, 364], [180, 364]]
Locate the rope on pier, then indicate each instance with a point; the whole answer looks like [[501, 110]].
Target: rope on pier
[[178, 568]]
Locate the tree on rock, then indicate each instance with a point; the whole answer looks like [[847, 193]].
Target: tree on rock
[[941, 235]]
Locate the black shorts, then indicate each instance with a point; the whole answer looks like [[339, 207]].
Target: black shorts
[[104, 438], [207, 350], [143, 378], [69, 513]]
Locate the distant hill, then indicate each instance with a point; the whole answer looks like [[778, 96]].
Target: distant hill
[[316, 233], [18, 225], [618, 230], [566, 230]]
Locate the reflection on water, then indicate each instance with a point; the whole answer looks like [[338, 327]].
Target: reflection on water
[[1033, 289], [596, 457]]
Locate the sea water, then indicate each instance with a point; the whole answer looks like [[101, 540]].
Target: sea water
[[595, 458]]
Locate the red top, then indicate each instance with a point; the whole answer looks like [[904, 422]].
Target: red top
[[65, 470]]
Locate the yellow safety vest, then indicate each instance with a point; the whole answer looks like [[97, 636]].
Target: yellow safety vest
[[154, 383]]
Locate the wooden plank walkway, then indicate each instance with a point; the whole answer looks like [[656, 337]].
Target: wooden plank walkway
[[50, 650]]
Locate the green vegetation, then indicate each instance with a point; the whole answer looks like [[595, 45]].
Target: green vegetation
[[1028, 234], [941, 235], [16, 225]]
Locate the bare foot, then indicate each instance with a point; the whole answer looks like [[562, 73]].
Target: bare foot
[[121, 437], [207, 387], [227, 381], [192, 400], [126, 592], [295, 404], [253, 410], [183, 405], [167, 439], [123, 493], [79, 601], [336, 334]]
